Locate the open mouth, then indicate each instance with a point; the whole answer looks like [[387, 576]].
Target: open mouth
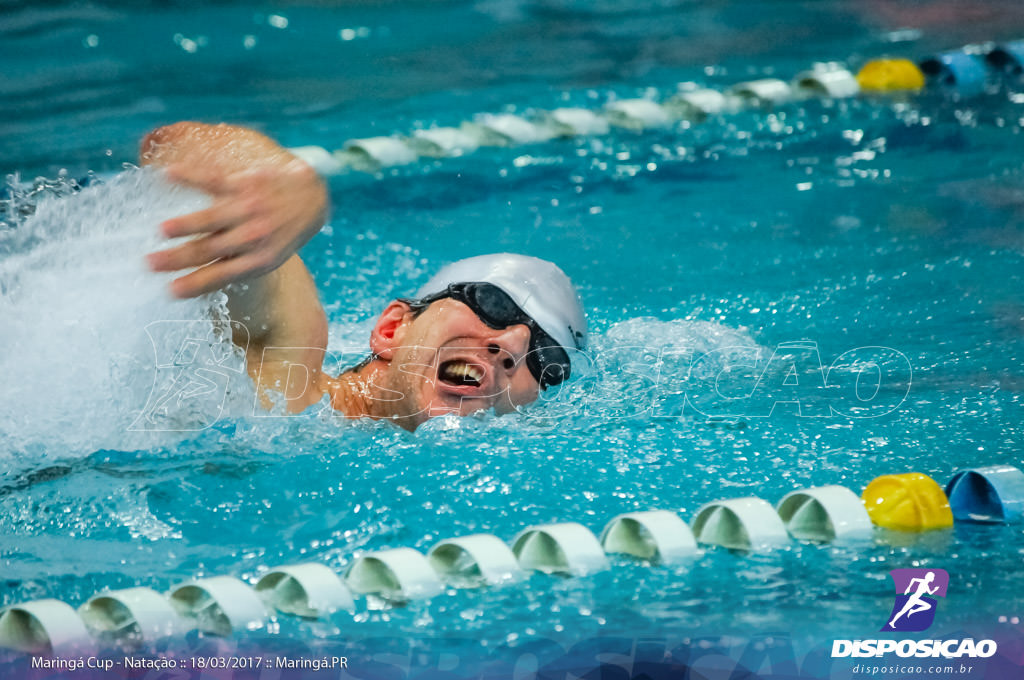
[[459, 372]]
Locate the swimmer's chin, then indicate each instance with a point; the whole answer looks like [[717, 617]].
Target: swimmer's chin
[[448, 404]]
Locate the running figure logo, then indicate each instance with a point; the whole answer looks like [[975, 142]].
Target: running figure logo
[[916, 590]]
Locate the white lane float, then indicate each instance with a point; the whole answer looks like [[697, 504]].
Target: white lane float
[[309, 590], [220, 605], [564, 548], [762, 93], [476, 560], [696, 103], [825, 514], [504, 129], [637, 114], [827, 80], [573, 122], [372, 154], [45, 626], [320, 159], [442, 142], [132, 617], [655, 535], [397, 575], [748, 523]]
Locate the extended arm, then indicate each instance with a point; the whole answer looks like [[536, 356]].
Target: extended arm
[[266, 205]]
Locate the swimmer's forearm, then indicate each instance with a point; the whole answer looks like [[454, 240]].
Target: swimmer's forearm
[[278, 320], [279, 309]]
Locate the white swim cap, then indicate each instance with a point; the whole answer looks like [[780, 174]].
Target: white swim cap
[[541, 289]]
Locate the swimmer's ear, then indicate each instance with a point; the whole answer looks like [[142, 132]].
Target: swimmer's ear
[[390, 328]]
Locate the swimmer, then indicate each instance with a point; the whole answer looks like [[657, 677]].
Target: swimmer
[[914, 603], [487, 332]]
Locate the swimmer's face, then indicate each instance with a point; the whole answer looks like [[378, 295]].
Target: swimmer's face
[[446, 360]]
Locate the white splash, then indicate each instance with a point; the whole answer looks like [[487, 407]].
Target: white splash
[[90, 338]]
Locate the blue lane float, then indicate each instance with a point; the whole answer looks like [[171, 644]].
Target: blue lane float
[[1008, 59], [957, 71], [993, 494]]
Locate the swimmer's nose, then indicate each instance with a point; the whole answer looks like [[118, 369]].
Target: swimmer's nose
[[511, 344]]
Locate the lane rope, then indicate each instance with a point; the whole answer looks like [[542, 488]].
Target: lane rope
[[962, 73], [223, 605]]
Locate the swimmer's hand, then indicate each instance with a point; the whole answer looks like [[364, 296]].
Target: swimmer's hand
[[266, 204], [259, 218]]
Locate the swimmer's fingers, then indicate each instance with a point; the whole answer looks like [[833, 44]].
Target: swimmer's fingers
[[259, 218], [209, 180], [249, 238], [195, 253], [290, 199], [221, 215], [216, 275], [225, 257], [228, 209]]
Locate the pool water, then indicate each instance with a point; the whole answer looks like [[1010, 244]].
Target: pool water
[[867, 223]]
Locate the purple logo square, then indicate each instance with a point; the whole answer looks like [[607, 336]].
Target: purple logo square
[[916, 590]]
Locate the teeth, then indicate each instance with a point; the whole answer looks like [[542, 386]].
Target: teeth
[[462, 371], [469, 370]]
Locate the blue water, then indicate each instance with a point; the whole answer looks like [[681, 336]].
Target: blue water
[[864, 223]]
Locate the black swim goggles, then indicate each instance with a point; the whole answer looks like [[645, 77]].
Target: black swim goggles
[[547, 360]]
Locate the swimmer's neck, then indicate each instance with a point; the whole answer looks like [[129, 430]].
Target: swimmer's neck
[[357, 393]]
